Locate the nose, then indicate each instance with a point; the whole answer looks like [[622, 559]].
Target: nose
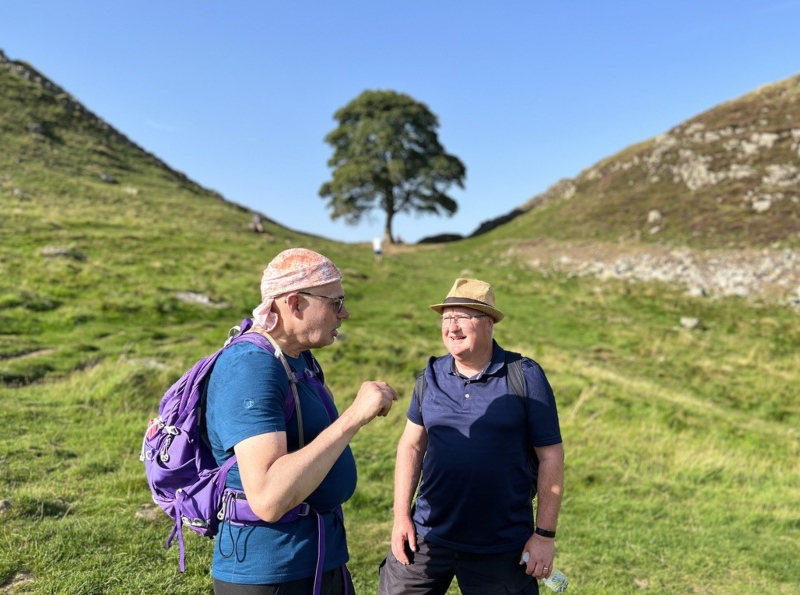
[[343, 313]]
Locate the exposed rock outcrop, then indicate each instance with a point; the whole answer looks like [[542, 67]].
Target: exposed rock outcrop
[[769, 274]]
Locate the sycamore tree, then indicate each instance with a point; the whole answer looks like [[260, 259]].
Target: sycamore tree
[[387, 156]]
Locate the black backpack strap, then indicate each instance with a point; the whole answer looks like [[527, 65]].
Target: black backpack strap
[[517, 381], [420, 384], [515, 377], [419, 388]]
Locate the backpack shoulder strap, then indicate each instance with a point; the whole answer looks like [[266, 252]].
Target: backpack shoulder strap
[[420, 383], [312, 361], [264, 341], [322, 388], [516, 379], [193, 390], [515, 376], [419, 388]]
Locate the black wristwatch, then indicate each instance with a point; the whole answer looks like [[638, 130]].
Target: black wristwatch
[[544, 532]]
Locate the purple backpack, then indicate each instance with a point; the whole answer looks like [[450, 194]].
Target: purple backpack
[[183, 475]]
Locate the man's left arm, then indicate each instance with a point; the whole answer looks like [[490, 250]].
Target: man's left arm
[[550, 488]]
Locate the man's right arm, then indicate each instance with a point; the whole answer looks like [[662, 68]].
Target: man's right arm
[[275, 481], [408, 468]]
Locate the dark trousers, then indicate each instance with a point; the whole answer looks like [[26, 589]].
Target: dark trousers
[[333, 583], [434, 566]]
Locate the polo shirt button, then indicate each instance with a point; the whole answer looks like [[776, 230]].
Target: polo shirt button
[[466, 395]]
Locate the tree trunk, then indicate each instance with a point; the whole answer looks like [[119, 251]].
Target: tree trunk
[[389, 207], [387, 230]]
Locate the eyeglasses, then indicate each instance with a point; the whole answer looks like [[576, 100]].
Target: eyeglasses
[[462, 318], [337, 303]]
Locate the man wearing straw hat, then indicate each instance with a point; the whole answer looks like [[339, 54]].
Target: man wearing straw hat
[[468, 437], [295, 475]]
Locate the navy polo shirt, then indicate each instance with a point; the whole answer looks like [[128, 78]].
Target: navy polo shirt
[[475, 493]]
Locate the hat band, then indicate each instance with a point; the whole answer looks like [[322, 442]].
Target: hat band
[[458, 300]]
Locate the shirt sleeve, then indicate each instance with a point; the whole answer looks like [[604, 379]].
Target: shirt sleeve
[[543, 425], [246, 393], [413, 414]]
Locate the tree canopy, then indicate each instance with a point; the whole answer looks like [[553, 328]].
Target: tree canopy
[[387, 156]]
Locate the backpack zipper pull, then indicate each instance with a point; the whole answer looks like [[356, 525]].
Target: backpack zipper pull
[[154, 425], [170, 431]]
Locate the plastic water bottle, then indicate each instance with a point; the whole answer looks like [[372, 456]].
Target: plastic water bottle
[[557, 582]]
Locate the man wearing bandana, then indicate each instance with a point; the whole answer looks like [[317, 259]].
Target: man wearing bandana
[[284, 466]]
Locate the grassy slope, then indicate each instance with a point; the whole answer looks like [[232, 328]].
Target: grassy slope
[[611, 200], [682, 470]]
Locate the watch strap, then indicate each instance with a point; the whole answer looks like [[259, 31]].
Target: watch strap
[[544, 532]]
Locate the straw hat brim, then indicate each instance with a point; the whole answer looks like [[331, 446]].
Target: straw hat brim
[[468, 303]]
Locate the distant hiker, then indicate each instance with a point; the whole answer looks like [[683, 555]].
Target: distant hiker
[[482, 421], [302, 307], [255, 223], [377, 245]]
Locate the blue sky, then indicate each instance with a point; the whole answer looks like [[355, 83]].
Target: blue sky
[[239, 95]]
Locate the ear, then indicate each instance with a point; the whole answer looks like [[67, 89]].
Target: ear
[[293, 303]]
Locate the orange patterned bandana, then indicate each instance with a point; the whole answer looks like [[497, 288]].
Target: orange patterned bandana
[[291, 270]]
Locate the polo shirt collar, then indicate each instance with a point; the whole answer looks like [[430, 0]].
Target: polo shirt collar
[[495, 365]]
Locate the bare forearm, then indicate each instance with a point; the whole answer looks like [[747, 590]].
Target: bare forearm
[[406, 478], [550, 488], [408, 467]]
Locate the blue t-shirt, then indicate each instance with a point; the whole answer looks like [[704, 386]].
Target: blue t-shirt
[[246, 394], [475, 493]]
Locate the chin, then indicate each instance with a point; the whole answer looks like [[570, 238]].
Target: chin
[[323, 342], [458, 347]]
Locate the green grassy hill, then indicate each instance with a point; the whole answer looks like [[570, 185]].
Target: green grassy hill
[[727, 178], [97, 233], [682, 445]]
